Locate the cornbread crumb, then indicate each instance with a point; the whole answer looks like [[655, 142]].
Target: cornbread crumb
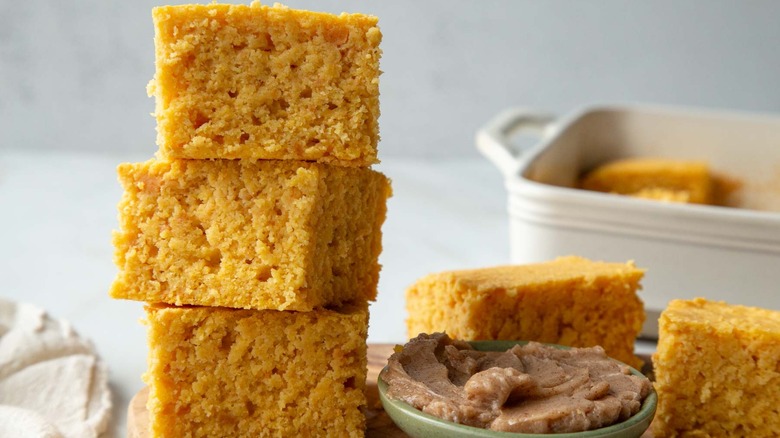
[[570, 301], [260, 82], [717, 370], [216, 372], [285, 235], [654, 178]]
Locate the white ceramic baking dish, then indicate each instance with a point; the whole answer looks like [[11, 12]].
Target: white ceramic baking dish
[[730, 254]]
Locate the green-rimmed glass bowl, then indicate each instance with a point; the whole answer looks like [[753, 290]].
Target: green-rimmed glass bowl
[[418, 424]]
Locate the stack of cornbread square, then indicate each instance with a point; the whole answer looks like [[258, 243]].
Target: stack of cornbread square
[[255, 234]]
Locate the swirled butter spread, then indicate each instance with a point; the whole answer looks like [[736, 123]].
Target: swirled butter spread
[[530, 388], [52, 383]]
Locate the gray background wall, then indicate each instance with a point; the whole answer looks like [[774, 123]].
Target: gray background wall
[[73, 74]]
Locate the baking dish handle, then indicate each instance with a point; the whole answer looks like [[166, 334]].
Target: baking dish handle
[[493, 140]]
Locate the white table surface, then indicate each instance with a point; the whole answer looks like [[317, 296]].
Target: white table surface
[[57, 211]]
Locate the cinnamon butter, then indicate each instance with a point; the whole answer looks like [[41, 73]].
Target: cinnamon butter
[[530, 388]]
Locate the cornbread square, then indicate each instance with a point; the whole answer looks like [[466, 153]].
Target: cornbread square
[[260, 82], [717, 370], [285, 235], [570, 301], [654, 178], [216, 372]]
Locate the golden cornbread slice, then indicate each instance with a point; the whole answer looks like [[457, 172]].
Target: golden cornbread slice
[[654, 178], [570, 301], [216, 372], [260, 82], [286, 235], [717, 370]]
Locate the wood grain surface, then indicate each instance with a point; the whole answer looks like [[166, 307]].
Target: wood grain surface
[[379, 425]]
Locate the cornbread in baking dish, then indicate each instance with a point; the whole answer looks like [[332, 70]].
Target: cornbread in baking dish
[[717, 370], [266, 82], [570, 301], [216, 372], [285, 235], [654, 178]]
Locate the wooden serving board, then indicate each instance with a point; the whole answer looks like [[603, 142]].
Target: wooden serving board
[[379, 425]]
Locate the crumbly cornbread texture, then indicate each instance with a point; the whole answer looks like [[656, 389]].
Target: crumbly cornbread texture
[[570, 301], [216, 372], [284, 235], [260, 82], [717, 370], [654, 178]]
